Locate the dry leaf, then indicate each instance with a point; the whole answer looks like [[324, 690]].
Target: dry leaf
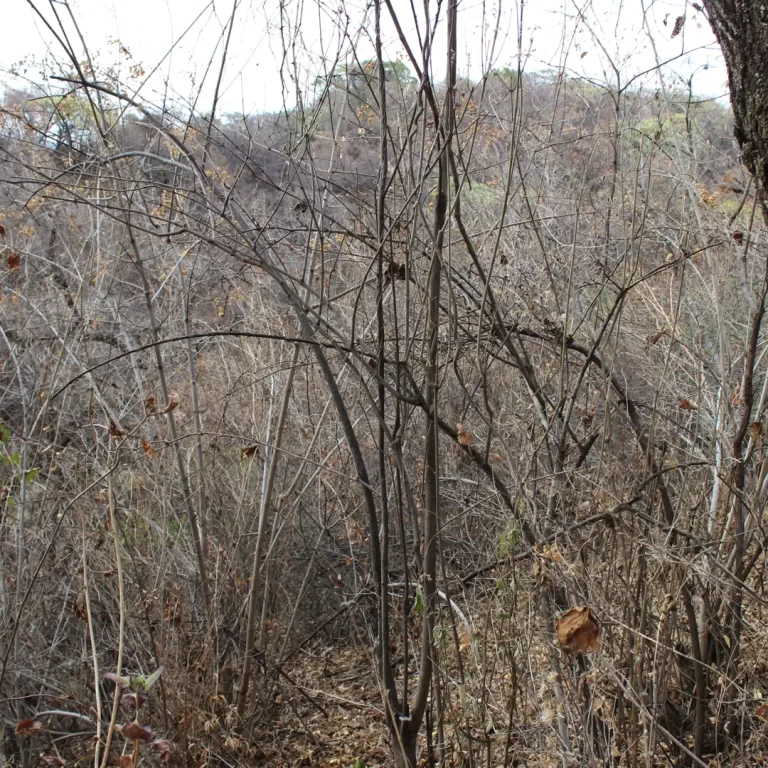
[[738, 237], [762, 712], [655, 337], [2, 230], [173, 403], [114, 430], [679, 21], [14, 261], [464, 438], [249, 451], [52, 761], [686, 405], [150, 404], [165, 748], [465, 640], [148, 449], [28, 727], [124, 761], [736, 396], [578, 631], [136, 732], [755, 430], [81, 608]]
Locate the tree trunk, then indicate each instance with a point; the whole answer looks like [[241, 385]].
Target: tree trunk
[[741, 28], [405, 751]]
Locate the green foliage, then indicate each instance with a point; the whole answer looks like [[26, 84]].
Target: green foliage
[[360, 80], [12, 460], [509, 540], [506, 75], [419, 599], [481, 194], [136, 683]]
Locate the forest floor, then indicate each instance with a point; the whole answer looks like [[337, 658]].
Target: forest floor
[[327, 713]]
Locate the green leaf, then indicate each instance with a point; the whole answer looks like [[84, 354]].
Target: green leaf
[[359, 763], [5, 433], [509, 540], [419, 600], [31, 476], [121, 680], [153, 678]]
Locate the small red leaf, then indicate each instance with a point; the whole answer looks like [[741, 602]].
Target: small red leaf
[[14, 261], [132, 701], [148, 449], [28, 726], [136, 732]]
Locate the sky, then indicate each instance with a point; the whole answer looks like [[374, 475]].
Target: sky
[[177, 45]]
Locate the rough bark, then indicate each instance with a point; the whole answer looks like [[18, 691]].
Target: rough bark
[[741, 28]]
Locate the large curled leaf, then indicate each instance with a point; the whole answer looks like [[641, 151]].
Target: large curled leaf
[[578, 630]]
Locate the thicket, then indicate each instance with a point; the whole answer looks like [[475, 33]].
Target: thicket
[[465, 380]]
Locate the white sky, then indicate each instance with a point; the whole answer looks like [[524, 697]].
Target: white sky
[[183, 39]]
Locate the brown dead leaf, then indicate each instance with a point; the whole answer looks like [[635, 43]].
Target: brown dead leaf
[[14, 261], [81, 608], [150, 403], [137, 732], [114, 430], [686, 405], [736, 396], [655, 337], [762, 712], [28, 727], [249, 451], [578, 631], [52, 761], [173, 403], [464, 437], [164, 748], [755, 430], [148, 449], [2, 230]]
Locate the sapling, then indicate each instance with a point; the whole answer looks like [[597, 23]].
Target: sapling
[[137, 688]]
